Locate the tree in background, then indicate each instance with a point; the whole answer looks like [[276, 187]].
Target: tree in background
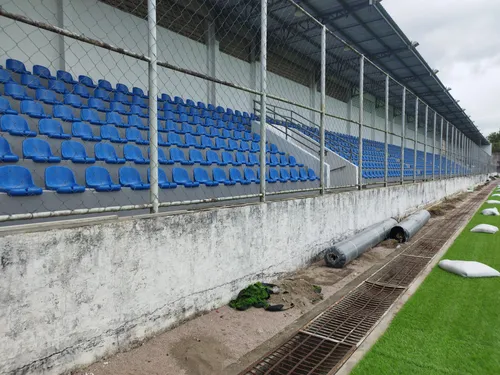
[[494, 139]]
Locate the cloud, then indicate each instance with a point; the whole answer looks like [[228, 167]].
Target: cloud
[[462, 40]]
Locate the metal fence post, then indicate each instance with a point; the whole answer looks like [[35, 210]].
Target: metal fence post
[[403, 124], [441, 138], [323, 111], [434, 148], [425, 141], [361, 119], [386, 135], [446, 153], [153, 109], [263, 97], [415, 143]]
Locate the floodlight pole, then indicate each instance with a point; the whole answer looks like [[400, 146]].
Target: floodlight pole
[[153, 109]]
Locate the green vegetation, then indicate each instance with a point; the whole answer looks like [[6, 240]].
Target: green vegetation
[[255, 295], [494, 139], [451, 325]]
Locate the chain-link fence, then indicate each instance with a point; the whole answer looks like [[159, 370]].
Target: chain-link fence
[[119, 105]]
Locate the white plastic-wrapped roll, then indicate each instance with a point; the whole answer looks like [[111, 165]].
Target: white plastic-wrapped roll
[[485, 228], [468, 268]]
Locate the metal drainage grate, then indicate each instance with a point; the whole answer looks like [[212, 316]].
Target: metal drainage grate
[[305, 355], [425, 248], [400, 272], [355, 315]]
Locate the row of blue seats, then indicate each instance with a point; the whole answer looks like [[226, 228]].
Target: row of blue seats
[[40, 151], [17, 180], [83, 82]]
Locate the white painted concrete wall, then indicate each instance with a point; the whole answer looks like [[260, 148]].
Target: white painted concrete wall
[[71, 296]]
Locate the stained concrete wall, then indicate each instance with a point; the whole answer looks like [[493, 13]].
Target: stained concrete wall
[[70, 296]]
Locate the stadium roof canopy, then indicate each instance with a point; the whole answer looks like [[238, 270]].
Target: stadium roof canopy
[[366, 25], [294, 46]]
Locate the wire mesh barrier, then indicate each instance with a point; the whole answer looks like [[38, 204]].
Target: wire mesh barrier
[[119, 105]]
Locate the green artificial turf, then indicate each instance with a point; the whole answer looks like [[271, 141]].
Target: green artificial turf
[[451, 325]]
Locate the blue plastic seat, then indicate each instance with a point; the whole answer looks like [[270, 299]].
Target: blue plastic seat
[[98, 104], [228, 158], [106, 152], [273, 160], [102, 94], [103, 84], [87, 81], [98, 178], [65, 77], [52, 128], [73, 100], [120, 87], [46, 96], [137, 91], [136, 121], [200, 130], [249, 175], [39, 151], [6, 154], [16, 66], [137, 100], [84, 131], [220, 144], [115, 118], [17, 181], [201, 105], [214, 132], [293, 162], [91, 115], [57, 86], [226, 134], [162, 159], [303, 175], [16, 91], [42, 71], [181, 177], [244, 146], [5, 108], [232, 145], [62, 180], [5, 76], [191, 141], [294, 175], [235, 175], [185, 128], [135, 135], [274, 176], [110, 133], [201, 176], [170, 126], [81, 90], [64, 112], [283, 161], [255, 147], [75, 151], [16, 125], [197, 157], [136, 110], [247, 136], [219, 176], [130, 177], [285, 176], [166, 98], [175, 139], [274, 149], [121, 97], [213, 158], [178, 157], [242, 159], [163, 182], [134, 153], [33, 109], [31, 81], [118, 107]]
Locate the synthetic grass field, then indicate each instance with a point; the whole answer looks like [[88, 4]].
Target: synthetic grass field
[[451, 325]]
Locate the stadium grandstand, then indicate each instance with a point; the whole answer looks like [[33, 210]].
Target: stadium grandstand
[[228, 126]]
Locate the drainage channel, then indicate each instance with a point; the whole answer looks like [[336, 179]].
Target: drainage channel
[[323, 345]]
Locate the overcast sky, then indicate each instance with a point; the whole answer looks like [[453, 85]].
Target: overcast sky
[[462, 40]]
